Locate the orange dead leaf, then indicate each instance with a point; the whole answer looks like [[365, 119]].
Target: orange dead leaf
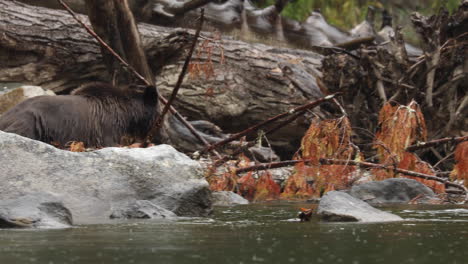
[[413, 163], [77, 146], [296, 186], [266, 188], [227, 182], [324, 139], [460, 171], [400, 127], [247, 186]]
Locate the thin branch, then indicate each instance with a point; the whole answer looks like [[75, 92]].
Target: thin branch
[[241, 149], [270, 165], [432, 143], [443, 160], [266, 122], [189, 126], [157, 124]]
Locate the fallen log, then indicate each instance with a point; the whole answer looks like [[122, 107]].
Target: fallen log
[[248, 84]]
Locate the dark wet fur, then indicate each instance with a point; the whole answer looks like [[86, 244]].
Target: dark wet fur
[[97, 114]]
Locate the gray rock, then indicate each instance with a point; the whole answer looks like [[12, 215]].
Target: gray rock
[[338, 206], [397, 190], [141, 209], [262, 154], [12, 97], [90, 184], [39, 210], [281, 175], [224, 198]]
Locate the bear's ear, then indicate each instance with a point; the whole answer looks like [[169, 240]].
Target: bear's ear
[[151, 95]]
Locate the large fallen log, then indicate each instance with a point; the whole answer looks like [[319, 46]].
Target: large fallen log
[[238, 84]]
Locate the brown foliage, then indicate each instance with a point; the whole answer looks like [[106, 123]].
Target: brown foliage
[[400, 127], [262, 189], [266, 188], [460, 171], [76, 146], [324, 139]]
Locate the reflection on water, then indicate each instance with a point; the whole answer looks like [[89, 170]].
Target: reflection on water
[[266, 233]]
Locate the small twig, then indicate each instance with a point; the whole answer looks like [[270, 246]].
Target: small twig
[[432, 63], [428, 144], [157, 124], [221, 161], [270, 165], [266, 122], [443, 159], [398, 83]]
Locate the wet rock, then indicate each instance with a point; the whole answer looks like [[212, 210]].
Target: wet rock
[[142, 209], [338, 206], [397, 190], [90, 184], [38, 210], [262, 154], [225, 198], [280, 175], [11, 98]]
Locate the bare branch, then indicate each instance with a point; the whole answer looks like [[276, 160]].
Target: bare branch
[[428, 144], [266, 122], [157, 124]]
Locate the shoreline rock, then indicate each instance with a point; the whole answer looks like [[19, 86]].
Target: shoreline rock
[[336, 206], [91, 184], [225, 198], [396, 190], [38, 210]]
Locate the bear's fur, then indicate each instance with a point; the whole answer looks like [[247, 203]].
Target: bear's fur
[[97, 114]]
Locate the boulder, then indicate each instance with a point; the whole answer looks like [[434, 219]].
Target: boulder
[[141, 209], [225, 198], [39, 210], [11, 98], [339, 206], [92, 184], [396, 190]]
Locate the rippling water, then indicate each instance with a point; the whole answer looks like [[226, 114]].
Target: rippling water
[[258, 233]]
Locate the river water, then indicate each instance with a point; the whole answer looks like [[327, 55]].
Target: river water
[[257, 233]]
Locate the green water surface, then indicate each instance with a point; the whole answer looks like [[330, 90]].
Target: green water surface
[[258, 233]]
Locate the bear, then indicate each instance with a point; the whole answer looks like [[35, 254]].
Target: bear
[[97, 114]]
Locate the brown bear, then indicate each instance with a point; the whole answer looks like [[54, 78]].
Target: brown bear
[[97, 114]]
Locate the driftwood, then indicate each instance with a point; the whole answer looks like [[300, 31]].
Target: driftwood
[[242, 19], [437, 79], [246, 83]]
